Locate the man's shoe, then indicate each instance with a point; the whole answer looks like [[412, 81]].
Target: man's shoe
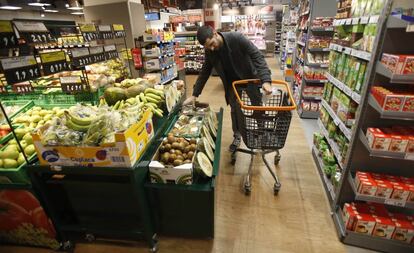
[[235, 144]]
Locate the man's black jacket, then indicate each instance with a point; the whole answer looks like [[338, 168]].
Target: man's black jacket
[[247, 60]]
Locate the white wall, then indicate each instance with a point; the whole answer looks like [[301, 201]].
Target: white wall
[[9, 15]]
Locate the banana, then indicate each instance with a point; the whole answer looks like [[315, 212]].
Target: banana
[[102, 102], [143, 98], [138, 99], [131, 101], [70, 124], [154, 96], [154, 91], [78, 120], [121, 105], [158, 112], [116, 106], [152, 104], [152, 100]]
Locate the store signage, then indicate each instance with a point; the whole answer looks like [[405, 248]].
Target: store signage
[[72, 84], [7, 37], [81, 57], [110, 52], [54, 62], [89, 32], [22, 88], [105, 32], [20, 69], [119, 31], [97, 54], [33, 32]]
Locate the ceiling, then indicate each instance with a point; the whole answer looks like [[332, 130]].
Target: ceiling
[[58, 5]]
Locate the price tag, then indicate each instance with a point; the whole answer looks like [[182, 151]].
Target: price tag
[[365, 55], [364, 20], [20, 69], [87, 28], [37, 37], [348, 21], [336, 121], [348, 50], [355, 21], [332, 46], [394, 202], [22, 88], [72, 84], [409, 156], [54, 62], [329, 29], [374, 19], [343, 21], [119, 31], [110, 52], [7, 36], [81, 57], [356, 97], [105, 32], [97, 54], [410, 28], [347, 90]]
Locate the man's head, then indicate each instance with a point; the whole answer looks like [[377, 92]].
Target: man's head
[[209, 38]]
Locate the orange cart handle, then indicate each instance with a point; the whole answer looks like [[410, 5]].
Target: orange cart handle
[[264, 108]]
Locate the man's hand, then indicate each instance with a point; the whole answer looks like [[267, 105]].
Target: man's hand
[[267, 88], [189, 100]]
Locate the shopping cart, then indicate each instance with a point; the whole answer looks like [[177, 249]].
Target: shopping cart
[[263, 122]]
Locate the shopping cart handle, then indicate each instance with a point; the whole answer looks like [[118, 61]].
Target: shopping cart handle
[[291, 105]]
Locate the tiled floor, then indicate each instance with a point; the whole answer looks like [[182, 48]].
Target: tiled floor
[[297, 220]]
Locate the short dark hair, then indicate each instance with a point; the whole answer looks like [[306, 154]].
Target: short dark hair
[[204, 33]]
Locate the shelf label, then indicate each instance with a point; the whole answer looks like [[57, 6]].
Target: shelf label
[[355, 21], [110, 52], [72, 84], [54, 62], [7, 37], [20, 69], [105, 32], [374, 19], [29, 26], [79, 52], [119, 30], [33, 32], [81, 57], [22, 88], [87, 28], [364, 20], [347, 90], [356, 97], [348, 21], [395, 202]]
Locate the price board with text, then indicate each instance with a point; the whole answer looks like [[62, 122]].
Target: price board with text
[[54, 62], [72, 84], [89, 32], [22, 88], [105, 32], [81, 57], [7, 37], [34, 32], [97, 54], [110, 52], [119, 31], [20, 69]]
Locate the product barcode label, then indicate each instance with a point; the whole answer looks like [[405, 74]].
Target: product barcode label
[[118, 159], [395, 202]]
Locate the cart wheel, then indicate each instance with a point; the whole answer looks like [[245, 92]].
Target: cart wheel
[[277, 159], [90, 237], [67, 246], [233, 159], [247, 190], [276, 189], [154, 248]]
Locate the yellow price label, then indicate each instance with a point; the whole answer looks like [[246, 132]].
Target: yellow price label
[[5, 26], [118, 27], [88, 28], [53, 56]]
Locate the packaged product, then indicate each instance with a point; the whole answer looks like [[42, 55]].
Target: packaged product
[[384, 227], [367, 186], [364, 224], [384, 189], [361, 77], [377, 140], [401, 191], [336, 99], [349, 216], [377, 6], [404, 230], [398, 142]]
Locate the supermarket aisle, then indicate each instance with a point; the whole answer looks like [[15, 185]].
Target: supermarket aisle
[[297, 220]]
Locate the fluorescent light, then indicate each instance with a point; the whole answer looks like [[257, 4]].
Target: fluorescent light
[[77, 13], [215, 6], [38, 4], [75, 8], [42, 15], [75, 5], [49, 10], [10, 8], [66, 5]]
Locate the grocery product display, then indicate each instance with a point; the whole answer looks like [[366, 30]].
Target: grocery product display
[[193, 52]]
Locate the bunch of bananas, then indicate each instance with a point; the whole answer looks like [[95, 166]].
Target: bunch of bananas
[[77, 123]]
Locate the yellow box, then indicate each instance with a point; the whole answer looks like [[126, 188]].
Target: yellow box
[[125, 152]]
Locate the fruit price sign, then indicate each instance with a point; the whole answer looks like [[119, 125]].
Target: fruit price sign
[[7, 37], [97, 54], [89, 32], [54, 62], [105, 32], [72, 84], [81, 57], [33, 32], [22, 88], [19, 69], [110, 52], [119, 31]]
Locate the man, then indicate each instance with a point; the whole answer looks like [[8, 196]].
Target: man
[[235, 58]]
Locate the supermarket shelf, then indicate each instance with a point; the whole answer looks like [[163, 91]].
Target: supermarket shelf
[[363, 55], [383, 154], [159, 56], [355, 96], [312, 97], [189, 33], [347, 132], [388, 114], [39, 47], [367, 241], [317, 65], [300, 43], [355, 21], [327, 185], [331, 143], [322, 29], [396, 22], [404, 79], [315, 81], [316, 50], [375, 199], [308, 114]]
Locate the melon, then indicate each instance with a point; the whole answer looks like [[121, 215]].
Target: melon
[[205, 147], [203, 164], [134, 91], [114, 94]]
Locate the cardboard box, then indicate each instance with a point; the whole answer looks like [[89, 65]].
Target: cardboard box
[[404, 230], [367, 187], [384, 190], [405, 64], [126, 150], [401, 192], [408, 105], [384, 227], [377, 140], [364, 224], [349, 216], [398, 142]]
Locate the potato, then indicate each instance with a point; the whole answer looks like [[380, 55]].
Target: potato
[[171, 139], [167, 147], [178, 162], [190, 155], [178, 152], [180, 157], [175, 145]]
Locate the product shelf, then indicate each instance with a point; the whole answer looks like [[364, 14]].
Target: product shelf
[[308, 114], [300, 43], [323, 29], [319, 81], [375, 199], [363, 55], [317, 65], [343, 87], [347, 132], [396, 22], [383, 154], [389, 114], [332, 144], [316, 50], [327, 185], [312, 97], [403, 79]]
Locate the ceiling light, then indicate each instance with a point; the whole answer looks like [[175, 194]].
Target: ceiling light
[[77, 13], [50, 10], [67, 5], [215, 6], [38, 4], [75, 5], [10, 8], [42, 15]]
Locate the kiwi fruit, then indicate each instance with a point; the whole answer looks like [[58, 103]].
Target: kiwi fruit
[[175, 145], [172, 151], [180, 157], [167, 147], [178, 152], [178, 162], [187, 161]]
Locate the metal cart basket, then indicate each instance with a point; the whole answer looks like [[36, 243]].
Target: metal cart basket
[[263, 121]]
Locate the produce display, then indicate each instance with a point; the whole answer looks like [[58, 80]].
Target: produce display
[[385, 186], [23, 220], [395, 139], [354, 76], [375, 220], [186, 155]]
